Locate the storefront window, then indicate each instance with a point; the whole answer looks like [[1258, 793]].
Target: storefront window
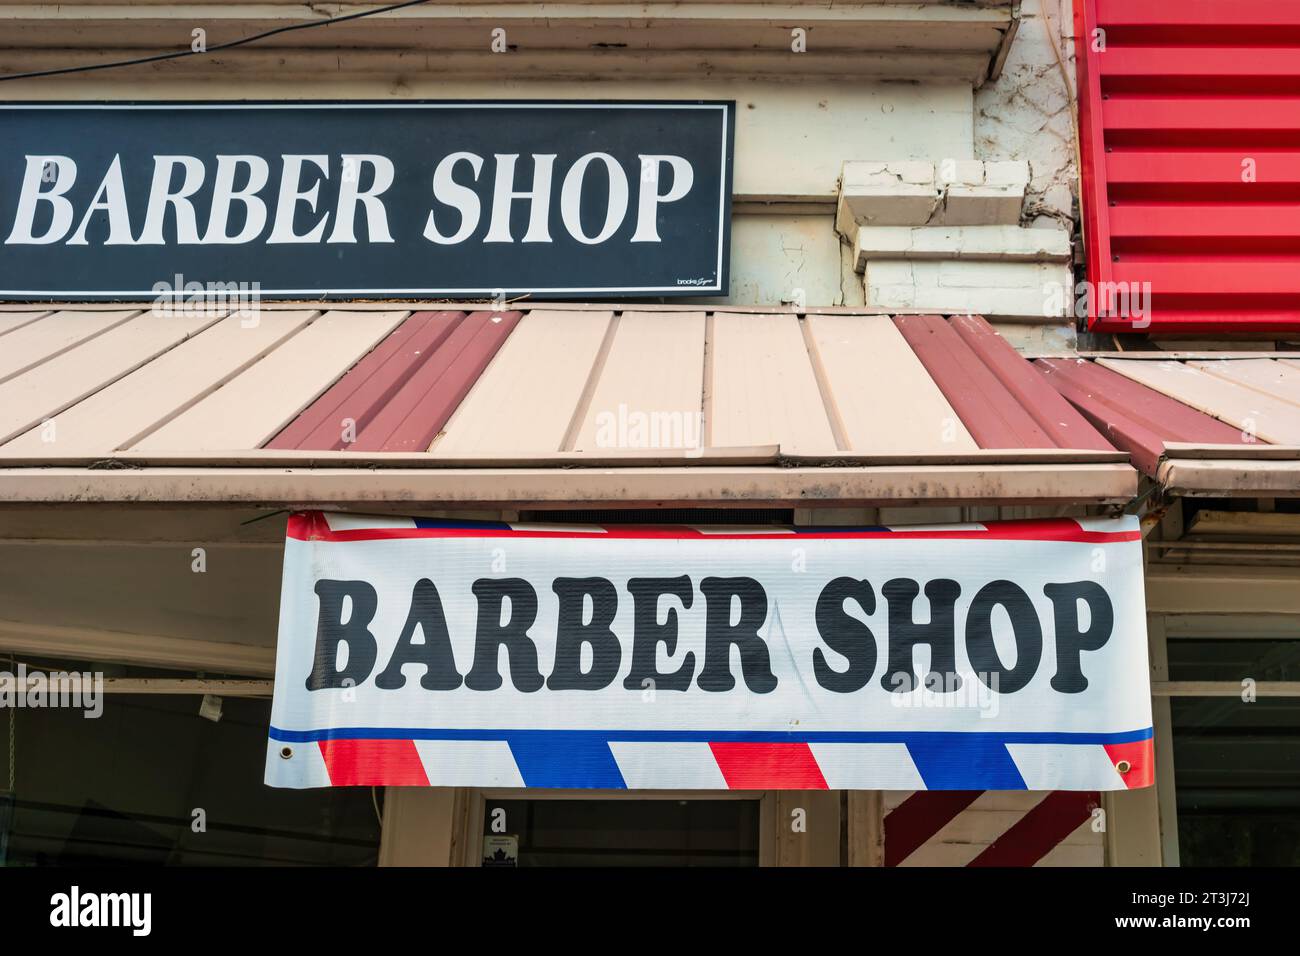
[[151, 782], [621, 833], [1233, 660], [1237, 775]]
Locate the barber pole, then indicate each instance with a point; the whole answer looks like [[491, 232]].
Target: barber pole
[[994, 828]]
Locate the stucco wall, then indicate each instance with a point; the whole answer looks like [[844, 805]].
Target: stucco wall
[[1026, 113]]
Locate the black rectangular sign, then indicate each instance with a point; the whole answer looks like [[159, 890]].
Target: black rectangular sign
[[395, 199]]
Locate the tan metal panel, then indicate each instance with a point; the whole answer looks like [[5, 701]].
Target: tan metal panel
[[877, 389], [16, 320], [650, 387], [1276, 379], [136, 404], [1272, 419], [252, 407], [59, 382], [38, 341], [763, 389], [525, 401]]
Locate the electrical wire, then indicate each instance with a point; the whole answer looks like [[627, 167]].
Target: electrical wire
[[215, 48]]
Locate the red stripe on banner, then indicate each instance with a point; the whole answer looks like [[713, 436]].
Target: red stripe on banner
[[768, 766], [373, 763], [1141, 757], [1040, 830], [308, 526], [1064, 530], [920, 817]]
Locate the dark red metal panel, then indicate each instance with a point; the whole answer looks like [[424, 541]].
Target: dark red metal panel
[[1135, 418], [1190, 126], [402, 392], [370, 384], [993, 418], [1057, 417], [412, 418], [990, 387]]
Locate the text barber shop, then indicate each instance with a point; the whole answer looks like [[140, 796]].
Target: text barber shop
[[368, 200]]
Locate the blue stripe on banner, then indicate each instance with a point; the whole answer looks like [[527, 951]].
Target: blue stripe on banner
[[566, 760], [964, 762], [453, 523], [704, 736]]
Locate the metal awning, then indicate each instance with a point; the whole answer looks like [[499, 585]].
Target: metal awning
[[552, 405], [1201, 424]]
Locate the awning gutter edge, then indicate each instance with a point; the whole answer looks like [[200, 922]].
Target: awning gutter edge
[[742, 486], [763, 455], [1230, 477]]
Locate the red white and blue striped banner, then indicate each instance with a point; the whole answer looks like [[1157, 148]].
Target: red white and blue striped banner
[[998, 656]]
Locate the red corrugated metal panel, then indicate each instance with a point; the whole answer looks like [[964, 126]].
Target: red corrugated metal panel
[[1057, 417], [400, 395], [418, 410], [991, 388], [1190, 124], [370, 384], [1135, 418]]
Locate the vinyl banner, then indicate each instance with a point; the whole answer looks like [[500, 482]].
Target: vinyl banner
[[392, 199], [1001, 656]]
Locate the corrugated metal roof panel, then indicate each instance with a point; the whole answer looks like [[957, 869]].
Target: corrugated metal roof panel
[[429, 395], [399, 396], [993, 389], [123, 413], [1227, 426], [370, 384], [527, 401], [652, 365], [16, 320], [517, 386], [1190, 126], [1135, 418], [763, 386], [1266, 415], [1279, 379], [1057, 417], [255, 405], [32, 343], [70, 376], [877, 391]]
